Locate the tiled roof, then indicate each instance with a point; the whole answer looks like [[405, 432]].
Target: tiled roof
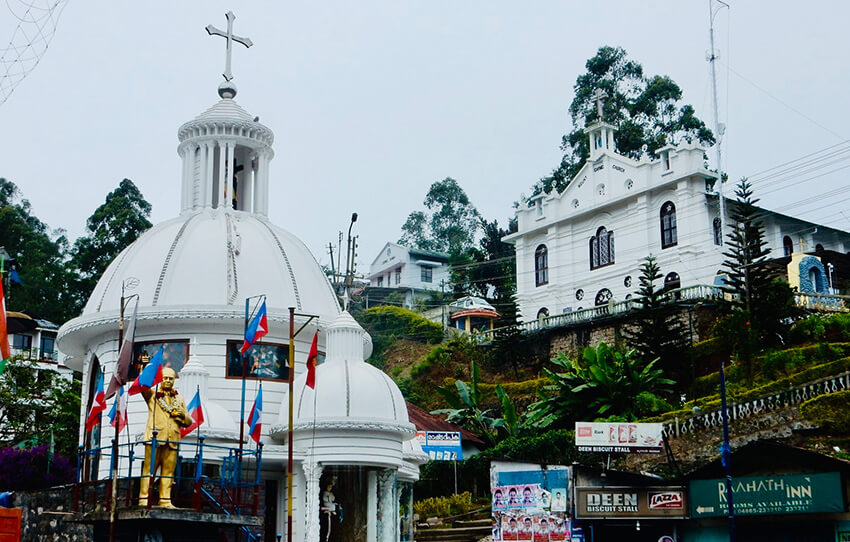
[[425, 421]]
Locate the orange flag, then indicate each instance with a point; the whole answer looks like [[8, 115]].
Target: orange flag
[[312, 357]]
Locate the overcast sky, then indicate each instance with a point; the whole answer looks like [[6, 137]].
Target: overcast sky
[[371, 102]]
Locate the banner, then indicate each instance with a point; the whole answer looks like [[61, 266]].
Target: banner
[[441, 445], [777, 494], [612, 437], [630, 502]]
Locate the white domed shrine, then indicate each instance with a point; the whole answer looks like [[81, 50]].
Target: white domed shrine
[[187, 281]]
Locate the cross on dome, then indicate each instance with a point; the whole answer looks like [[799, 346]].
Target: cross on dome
[[228, 89]]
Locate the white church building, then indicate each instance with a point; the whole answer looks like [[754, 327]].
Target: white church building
[[583, 247], [191, 276]]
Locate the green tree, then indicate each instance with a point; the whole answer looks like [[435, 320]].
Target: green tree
[[37, 405], [449, 224], [119, 221], [647, 112], [656, 331], [467, 410], [489, 270], [40, 257], [607, 383], [760, 300]]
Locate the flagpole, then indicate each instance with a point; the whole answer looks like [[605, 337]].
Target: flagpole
[[289, 458], [113, 499], [244, 374]]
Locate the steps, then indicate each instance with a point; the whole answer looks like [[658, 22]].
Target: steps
[[460, 531]]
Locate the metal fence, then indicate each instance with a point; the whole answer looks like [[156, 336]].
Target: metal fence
[[229, 485]]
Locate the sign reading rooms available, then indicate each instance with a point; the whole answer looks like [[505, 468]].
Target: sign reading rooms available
[[778, 494]]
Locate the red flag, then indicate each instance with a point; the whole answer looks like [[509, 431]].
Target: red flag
[[150, 376], [257, 329], [312, 358], [255, 420], [5, 353]]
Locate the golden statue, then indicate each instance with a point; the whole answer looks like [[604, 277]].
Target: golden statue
[[166, 414]]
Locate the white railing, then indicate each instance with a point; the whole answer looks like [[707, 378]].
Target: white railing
[[700, 292]]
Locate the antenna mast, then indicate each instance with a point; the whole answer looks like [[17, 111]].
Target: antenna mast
[[719, 128]]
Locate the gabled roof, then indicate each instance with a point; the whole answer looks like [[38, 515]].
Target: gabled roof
[[439, 256], [425, 421]]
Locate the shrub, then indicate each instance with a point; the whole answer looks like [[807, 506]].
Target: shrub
[[829, 412], [815, 328], [22, 469], [442, 507], [386, 324]]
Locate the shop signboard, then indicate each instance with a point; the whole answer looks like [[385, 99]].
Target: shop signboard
[[441, 445], [777, 494], [630, 502], [612, 437]]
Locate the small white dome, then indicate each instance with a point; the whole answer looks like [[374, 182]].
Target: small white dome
[[348, 390]]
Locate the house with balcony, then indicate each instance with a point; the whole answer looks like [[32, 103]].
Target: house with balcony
[[34, 339], [411, 273]]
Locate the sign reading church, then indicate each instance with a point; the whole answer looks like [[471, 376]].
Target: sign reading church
[[779, 494]]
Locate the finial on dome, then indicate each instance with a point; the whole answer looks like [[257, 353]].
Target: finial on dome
[[228, 89]]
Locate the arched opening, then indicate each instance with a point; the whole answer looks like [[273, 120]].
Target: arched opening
[[669, 237], [816, 279], [92, 437], [787, 246], [542, 313], [603, 296], [601, 248], [818, 247], [673, 282], [541, 266]]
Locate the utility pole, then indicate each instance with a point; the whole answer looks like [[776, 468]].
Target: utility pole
[[350, 252], [719, 128], [333, 271]]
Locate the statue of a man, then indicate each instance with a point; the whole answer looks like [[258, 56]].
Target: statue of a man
[[166, 414]]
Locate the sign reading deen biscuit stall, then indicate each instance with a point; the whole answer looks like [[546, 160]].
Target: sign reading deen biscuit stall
[[615, 437], [777, 494], [630, 502]]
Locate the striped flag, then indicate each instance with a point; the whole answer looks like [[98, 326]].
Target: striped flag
[[196, 412], [98, 405], [255, 420], [5, 353], [118, 414], [150, 376], [257, 329]]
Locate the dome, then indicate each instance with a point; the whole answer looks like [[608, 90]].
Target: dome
[[173, 263], [348, 390]]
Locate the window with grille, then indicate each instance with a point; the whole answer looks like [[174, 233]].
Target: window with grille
[[541, 266], [602, 248], [668, 225], [426, 274]]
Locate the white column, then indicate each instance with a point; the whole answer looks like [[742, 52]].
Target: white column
[[231, 172], [222, 176], [386, 505], [261, 188], [204, 180], [371, 507], [248, 178], [184, 180], [312, 474]]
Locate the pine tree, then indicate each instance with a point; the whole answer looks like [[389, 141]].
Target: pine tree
[[657, 331]]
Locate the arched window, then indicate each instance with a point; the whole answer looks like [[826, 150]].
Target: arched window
[[787, 245], [603, 296], [602, 248], [717, 228], [541, 266], [668, 225], [673, 282], [542, 313]]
